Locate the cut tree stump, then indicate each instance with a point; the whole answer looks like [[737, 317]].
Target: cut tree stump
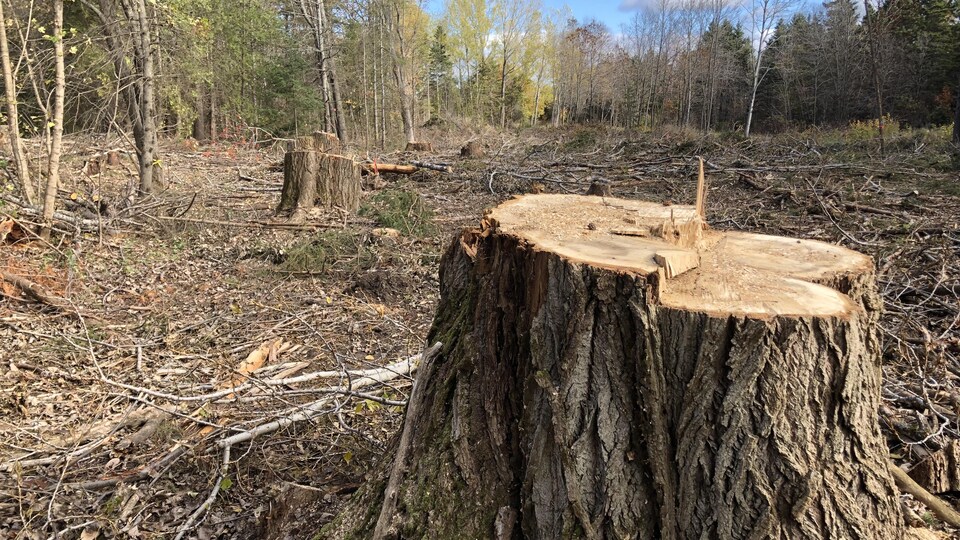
[[599, 187], [616, 369], [311, 171], [473, 149], [318, 141], [418, 147], [940, 472]]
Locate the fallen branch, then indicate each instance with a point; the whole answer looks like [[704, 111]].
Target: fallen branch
[[31, 289], [251, 223], [315, 408], [60, 216], [211, 498], [936, 505], [442, 167], [372, 167], [397, 368]]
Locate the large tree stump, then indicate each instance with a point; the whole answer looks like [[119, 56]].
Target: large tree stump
[[312, 169], [614, 369]]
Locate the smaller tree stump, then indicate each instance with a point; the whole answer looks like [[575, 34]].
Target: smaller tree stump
[[338, 181], [312, 170], [940, 472], [472, 149], [418, 147], [599, 187]]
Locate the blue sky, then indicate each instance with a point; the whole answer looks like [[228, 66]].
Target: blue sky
[[613, 13]]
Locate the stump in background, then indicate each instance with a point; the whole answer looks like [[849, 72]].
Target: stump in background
[[614, 369], [313, 170], [472, 149], [418, 147]]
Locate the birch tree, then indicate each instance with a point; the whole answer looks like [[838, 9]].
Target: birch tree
[[763, 15], [317, 15], [408, 27]]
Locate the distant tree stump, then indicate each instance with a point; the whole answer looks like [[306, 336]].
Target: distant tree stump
[[473, 149], [418, 147], [311, 172], [599, 187], [614, 369]]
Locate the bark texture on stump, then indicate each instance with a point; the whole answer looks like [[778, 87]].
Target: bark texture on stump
[[472, 149], [338, 182], [598, 381], [312, 170]]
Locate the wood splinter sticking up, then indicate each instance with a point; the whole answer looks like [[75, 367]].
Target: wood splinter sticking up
[[587, 389]]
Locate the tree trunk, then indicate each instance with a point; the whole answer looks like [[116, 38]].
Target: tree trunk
[[20, 160], [956, 116], [312, 170], [503, 89], [201, 125], [612, 369], [56, 141], [753, 92], [340, 124]]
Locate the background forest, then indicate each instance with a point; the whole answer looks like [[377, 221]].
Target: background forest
[[376, 70]]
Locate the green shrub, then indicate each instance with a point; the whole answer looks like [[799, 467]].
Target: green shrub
[[865, 130], [402, 210], [328, 250]]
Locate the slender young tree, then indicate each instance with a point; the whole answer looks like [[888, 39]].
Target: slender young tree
[[56, 141], [20, 161], [407, 26], [764, 15], [875, 68], [956, 115], [511, 19], [128, 32]]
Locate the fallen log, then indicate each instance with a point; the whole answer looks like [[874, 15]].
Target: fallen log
[[374, 167], [66, 219], [31, 289]]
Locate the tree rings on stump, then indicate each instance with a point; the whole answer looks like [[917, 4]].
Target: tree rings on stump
[[616, 369]]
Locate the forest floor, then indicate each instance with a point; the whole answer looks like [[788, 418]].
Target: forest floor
[[195, 315]]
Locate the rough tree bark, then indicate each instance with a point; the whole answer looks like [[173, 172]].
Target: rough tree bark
[[313, 169], [136, 74], [20, 160], [141, 94], [611, 369]]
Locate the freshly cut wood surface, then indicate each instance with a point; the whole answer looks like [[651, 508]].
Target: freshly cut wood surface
[[700, 269]]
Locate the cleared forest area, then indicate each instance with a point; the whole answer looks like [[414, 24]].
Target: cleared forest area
[[199, 316], [228, 230]]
